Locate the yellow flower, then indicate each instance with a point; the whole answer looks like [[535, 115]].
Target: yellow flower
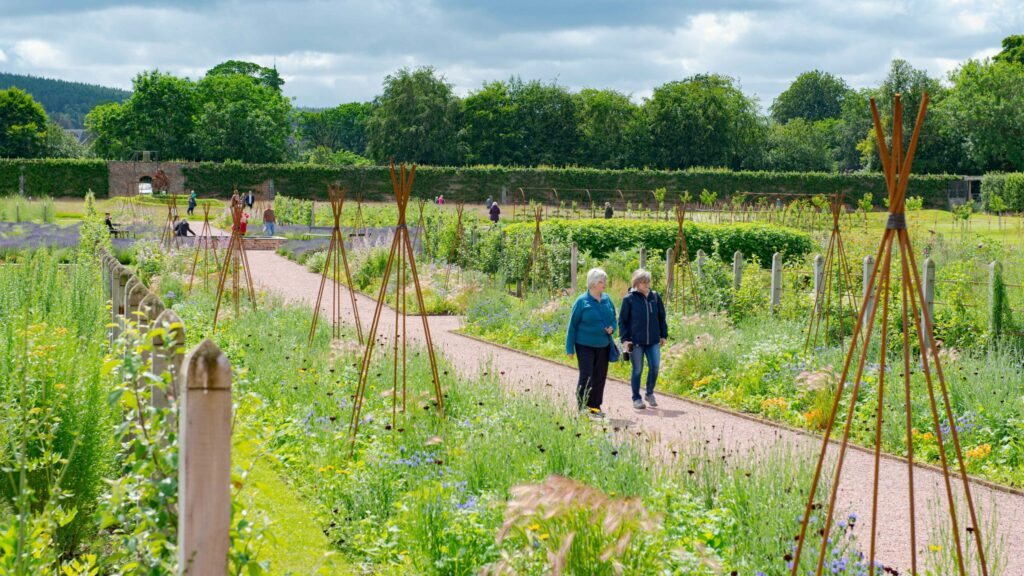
[[534, 527], [702, 382], [770, 403], [979, 452], [544, 536], [934, 548]]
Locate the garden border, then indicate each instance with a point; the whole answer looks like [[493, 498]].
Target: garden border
[[753, 418]]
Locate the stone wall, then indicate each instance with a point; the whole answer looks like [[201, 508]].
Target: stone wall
[[125, 176]]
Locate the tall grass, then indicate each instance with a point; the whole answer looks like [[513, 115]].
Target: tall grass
[[51, 351]]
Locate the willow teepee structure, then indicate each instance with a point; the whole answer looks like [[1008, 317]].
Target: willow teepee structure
[[169, 237], [834, 267], [402, 254], [235, 267], [334, 265], [896, 165], [681, 265], [206, 248]]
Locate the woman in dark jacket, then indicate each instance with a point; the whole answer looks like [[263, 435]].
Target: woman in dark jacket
[[589, 338], [643, 329], [495, 212]]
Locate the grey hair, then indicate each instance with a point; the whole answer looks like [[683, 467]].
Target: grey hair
[[641, 275], [594, 276]]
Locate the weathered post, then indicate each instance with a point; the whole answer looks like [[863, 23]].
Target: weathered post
[[120, 283], [574, 263], [819, 281], [670, 271], [928, 306], [995, 280], [737, 270], [869, 297], [168, 354], [643, 257], [701, 258], [776, 282], [204, 462]]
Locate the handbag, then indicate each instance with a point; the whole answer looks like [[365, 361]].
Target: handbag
[[613, 352]]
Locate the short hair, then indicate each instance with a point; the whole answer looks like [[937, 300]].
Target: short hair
[[495, 203], [594, 276], [641, 276]]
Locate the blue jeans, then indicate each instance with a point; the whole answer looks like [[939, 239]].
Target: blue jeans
[[653, 355], [269, 227]]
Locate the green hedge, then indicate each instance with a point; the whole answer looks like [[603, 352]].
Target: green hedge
[[1008, 186], [55, 177], [600, 237], [473, 184]]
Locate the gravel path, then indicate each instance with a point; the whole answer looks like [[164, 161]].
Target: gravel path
[[678, 421]]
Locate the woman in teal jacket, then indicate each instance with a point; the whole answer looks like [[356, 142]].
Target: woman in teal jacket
[[589, 338]]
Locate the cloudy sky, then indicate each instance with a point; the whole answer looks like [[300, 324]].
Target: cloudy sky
[[340, 51]]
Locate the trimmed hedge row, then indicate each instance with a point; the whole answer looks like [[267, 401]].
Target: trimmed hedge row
[[473, 184], [1009, 187], [55, 177], [600, 237], [58, 177]]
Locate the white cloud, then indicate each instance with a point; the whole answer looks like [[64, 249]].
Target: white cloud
[[3, 57], [39, 54]]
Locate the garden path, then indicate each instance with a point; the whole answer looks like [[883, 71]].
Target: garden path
[[679, 421]]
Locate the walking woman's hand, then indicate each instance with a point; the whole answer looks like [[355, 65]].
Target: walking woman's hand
[[608, 330], [570, 356]]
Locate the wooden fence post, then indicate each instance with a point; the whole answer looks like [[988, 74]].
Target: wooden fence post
[[995, 281], [204, 463], [670, 273], [168, 354], [737, 270], [776, 282], [869, 297], [643, 257], [117, 312], [928, 306], [701, 258], [819, 281], [574, 264]]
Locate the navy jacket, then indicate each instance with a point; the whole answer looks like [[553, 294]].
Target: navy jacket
[[642, 319]]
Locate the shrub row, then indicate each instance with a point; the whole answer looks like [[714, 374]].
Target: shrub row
[[600, 237], [472, 184], [54, 177], [1009, 187]]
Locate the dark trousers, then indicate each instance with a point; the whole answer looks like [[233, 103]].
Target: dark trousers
[[593, 363]]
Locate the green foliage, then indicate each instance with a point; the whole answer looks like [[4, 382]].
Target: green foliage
[[266, 77], [240, 119], [415, 119], [986, 107], [323, 155], [600, 237], [605, 120], [93, 235], [704, 120], [342, 127], [800, 145], [66, 103], [518, 123], [23, 125], [813, 96], [1013, 50]]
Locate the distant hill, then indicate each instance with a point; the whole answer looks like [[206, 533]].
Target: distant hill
[[66, 103]]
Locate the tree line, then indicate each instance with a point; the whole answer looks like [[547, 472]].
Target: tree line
[[819, 123]]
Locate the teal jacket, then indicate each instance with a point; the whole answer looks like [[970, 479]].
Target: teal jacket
[[587, 322]]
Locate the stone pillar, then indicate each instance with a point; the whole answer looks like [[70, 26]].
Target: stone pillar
[[869, 297], [819, 281], [204, 462], [776, 294], [737, 270]]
